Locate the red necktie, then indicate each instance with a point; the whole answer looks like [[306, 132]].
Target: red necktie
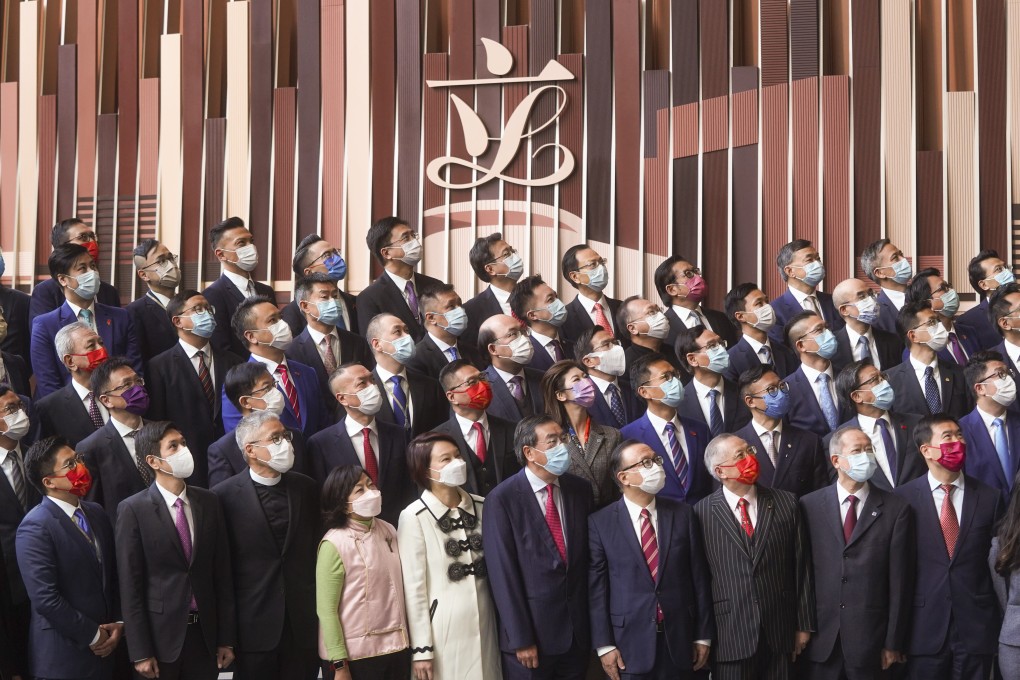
[[371, 464], [745, 518], [288, 389], [480, 451], [650, 547], [600, 318], [552, 518], [851, 518], [948, 520]]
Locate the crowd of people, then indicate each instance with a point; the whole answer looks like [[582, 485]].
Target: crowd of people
[[401, 484]]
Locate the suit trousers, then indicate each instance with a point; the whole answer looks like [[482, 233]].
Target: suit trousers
[[194, 663], [664, 668], [952, 662], [286, 662], [764, 665], [393, 665], [571, 665], [835, 668]]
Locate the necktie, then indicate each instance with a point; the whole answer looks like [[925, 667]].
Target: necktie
[[773, 448], [745, 518], [481, 452], [412, 299], [399, 402], [1002, 450], [515, 388], [18, 477], [328, 357], [890, 448], [94, 414], [83, 526], [371, 464], [616, 405], [851, 518], [552, 518], [948, 520], [931, 391], [555, 350], [715, 419], [289, 390], [957, 349], [679, 459], [864, 348], [143, 468], [600, 318], [765, 353], [85, 316], [452, 353], [650, 547], [204, 378], [811, 305], [184, 534], [825, 400], [249, 290]]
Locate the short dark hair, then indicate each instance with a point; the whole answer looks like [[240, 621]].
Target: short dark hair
[[622, 317], [148, 439], [525, 434], [241, 379], [99, 381], [447, 373], [481, 254], [300, 261], [793, 323], [735, 300], [58, 234], [178, 303], [216, 233], [335, 491], [5, 388], [378, 236], [998, 305], [923, 430], [616, 458], [431, 294], [641, 372], [976, 270], [585, 342], [869, 257], [306, 283], [976, 369], [244, 316], [687, 343], [664, 276], [62, 259], [569, 261], [144, 247], [786, 253], [848, 380], [40, 458], [522, 296], [419, 456], [751, 376], [906, 319]]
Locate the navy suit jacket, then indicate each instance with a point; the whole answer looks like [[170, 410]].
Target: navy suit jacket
[[890, 350], [429, 360], [541, 360], [429, 406], [578, 322], [352, 348], [226, 298], [382, 295], [48, 295], [805, 411], [959, 587], [696, 436], [633, 407], [500, 461], [18, 373], [968, 340], [909, 462], [225, 459], [313, 414], [982, 459], [72, 589], [623, 596], [976, 319], [957, 399], [503, 403], [114, 471], [156, 334], [735, 414], [114, 326], [11, 515], [479, 308], [743, 358], [15, 306], [295, 318], [887, 313], [721, 326], [549, 608], [786, 307], [802, 462]]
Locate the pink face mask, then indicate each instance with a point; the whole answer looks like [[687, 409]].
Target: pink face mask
[[953, 455], [696, 288]]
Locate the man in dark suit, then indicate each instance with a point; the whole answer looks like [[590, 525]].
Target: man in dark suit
[[173, 557], [536, 522], [682, 290], [956, 614], [708, 397], [1004, 311], [267, 337], [864, 391], [649, 586], [789, 458], [315, 255], [801, 267], [929, 285], [66, 551], [274, 574], [680, 442], [516, 389], [322, 343], [886, 265], [398, 250], [15, 372], [73, 411], [75, 270], [813, 404], [758, 553], [860, 339], [362, 439], [863, 559], [234, 246], [923, 383], [749, 308], [14, 310], [47, 295], [486, 442], [991, 431], [109, 452], [495, 262], [604, 357], [445, 321], [157, 267], [987, 272], [585, 270], [534, 302], [185, 381], [647, 327]]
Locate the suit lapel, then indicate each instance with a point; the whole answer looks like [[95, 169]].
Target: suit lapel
[[970, 499], [802, 383], [386, 408], [981, 432], [198, 519], [833, 514], [724, 516], [530, 503], [663, 538], [164, 518], [75, 535], [231, 289], [947, 384], [764, 526]]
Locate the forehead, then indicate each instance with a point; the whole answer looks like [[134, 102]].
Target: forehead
[[994, 366], [319, 247], [586, 255], [706, 337], [934, 282], [119, 375], [544, 290], [392, 324], [546, 430], [64, 454], [265, 379], [888, 250], [323, 288], [81, 261], [805, 253], [399, 230], [270, 426], [1013, 299], [355, 373], [657, 368], [866, 373], [265, 309], [601, 337], [808, 323], [160, 249], [466, 373], [10, 397], [681, 266], [925, 314], [496, 248], [939, 430], [194, 301], [443, 448], [636, 452], [83, 336], [767, 379], [502, 325], [755, 295], [172, 435], [77, 228], [235, 234], [856, 438], [991, 263]]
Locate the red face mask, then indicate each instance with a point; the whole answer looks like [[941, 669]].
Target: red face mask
[[748, 469], [93, 248], [80, 479], [696, 288], [480, 395], [953, 455], [95, 357]]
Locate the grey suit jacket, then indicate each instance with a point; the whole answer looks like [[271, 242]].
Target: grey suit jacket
[[591, 463], [1008, 592]]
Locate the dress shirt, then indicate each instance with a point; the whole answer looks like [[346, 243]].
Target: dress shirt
[[987, 419], [385, 376], [816, 387], [802, 299], [897, 297], [401, 284], [1013, 351], [603, 387], [502, 297], [7, 465], [506, 377], [539, 487], [163, 300], [870, 427], [83, 394], [764, 436], [752, 504], [264, 481], [444, 347], [546, 342], [169, 498], [855, 349], [334, 342], [842, 494], [938, 495], [702, 391], [756, 346], [660, 429], [123, 430], [589, 306], [271, 367], [77, 310], [240, 282], [690, 318], [192, 353], [919, 372], [354, 429], [467, 428]]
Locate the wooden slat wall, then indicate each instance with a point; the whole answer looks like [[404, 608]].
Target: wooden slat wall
[[746, 240], [598, 113], [897, 96], [961, 182], [995, 208]]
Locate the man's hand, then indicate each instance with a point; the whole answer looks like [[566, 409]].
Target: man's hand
[[889, 657], [114, 632], [224, 657], [700, 655], [528, 656], [423, 670], [612, 664], [99, 648], [800, 642], [148, 668]]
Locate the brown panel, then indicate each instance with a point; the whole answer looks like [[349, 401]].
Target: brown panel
[[836, 40], [66, 124], [8, 160], [571, 133], [686, 70], [47, 176], [714, 49], [685, 130], [656, 91], [216, 57], [745, 32], [598, 84], [715, 124], [384, 93], [804, 38], [627, 105], [542, 50], [409, 86], [929, 73], [867, 95], [192, 127], [656, 184], [516, 40], [127, 93], [991, 54], [746, 237], [215, 183], [104, 215], [866, 34], [805, 159], [333, 109], [487, 99], [715, 221], [434, 107], [836, 177], [87, 18], [148, 138], [461, 67], [930, 220], [745, 118], [685, 205], [261, 116], [775, 146], [309, 123], [284, 134], [774, 47], [960, 46]]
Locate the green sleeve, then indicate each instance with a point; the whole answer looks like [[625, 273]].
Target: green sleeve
[[329, 586]]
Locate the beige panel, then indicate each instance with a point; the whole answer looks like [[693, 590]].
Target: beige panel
[[1013, 92], [28, 134], [897, 96], [237, 180], [961, 181], [9, 173], [627, 273], [86, 93], [358, 135], [168, 216]]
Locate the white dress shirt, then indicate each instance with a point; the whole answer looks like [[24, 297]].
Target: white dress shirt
[[938, 495], [897, 297], [240, 282], [385, 376], [603, 387], [83, 394], [692, 317], [805, 303], [704, 401], [264, 481], [334, 343], [541, 497], [589, 306], [919, 373], [444, 348], [855, 348], [7, 464], [766, 438], [1013, 351], [756, 346], [816, 386], [660, 429], [401, 284], [844, 507], [502, 297], [123, 430], [354, 429], [77, 311], [192, 353], [507, 377], [170, 499], [69, 510], [163, 300], [752, 504], [870, 427], [467, 428], [546, 343]]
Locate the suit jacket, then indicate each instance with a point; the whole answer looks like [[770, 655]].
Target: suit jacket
[[157, 583], [887, 313], [429, 360], [382, 295], [1008, 592], [176, 395], [721, 326], [47, 295], [114, 326], [743, 358], [10, 655], [802, 464], [578, 322], [983, 460], [890, 349], [541, 360], [11, 515], [977, 320], [15, 306], [956, 397], [72, 584], [862, 586], [696, 436], [500, 457], [786, 307], [429, 406], [549, 608], [805, 411], [503, 403], [226, 298], [591, 463], [352, 348], [760, 585], [225, 459], [18, 373], [633, 407], [156, 333], [272, 587], [479, 308], [959, 587], [635, 352], [114, 471], [623, 597], [296, 319], [63, 413], [909, 461], [313, 413], [332, 448], [734, 412]]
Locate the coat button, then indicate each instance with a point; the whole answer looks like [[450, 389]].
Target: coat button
[[842, 606], [844, 579]]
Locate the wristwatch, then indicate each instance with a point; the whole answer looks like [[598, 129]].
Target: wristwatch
[[337, 665]]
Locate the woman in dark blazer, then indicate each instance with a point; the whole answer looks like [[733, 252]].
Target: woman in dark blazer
[[1004, 560], [569, 393]]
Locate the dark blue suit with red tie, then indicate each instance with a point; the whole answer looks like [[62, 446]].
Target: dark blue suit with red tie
[[306, 384]]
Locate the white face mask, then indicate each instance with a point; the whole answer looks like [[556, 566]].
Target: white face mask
[[274, 401], [412, 252], [454, 474], [522, 350], [766, 317], [17, 425], [652, 479], [282, 335], [182, 463], [281, 456], [368, 504], [658, 326], [1005, 391], [370, 399], [613, 361], [247, 257], [167, 274], [939, 338]]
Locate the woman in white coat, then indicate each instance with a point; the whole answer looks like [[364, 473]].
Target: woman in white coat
[[449, 610]]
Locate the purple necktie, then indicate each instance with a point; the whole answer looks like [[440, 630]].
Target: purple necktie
[[184, 533], [412, 299], [957, 349]]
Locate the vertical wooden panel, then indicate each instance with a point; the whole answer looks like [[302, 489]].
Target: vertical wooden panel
[[409, 84], [383, 92], [214, 190], [47, 175], [87, 101], [127, 94], [929, 73], [961, 182], [775, 65], [192, 101], [487, 98], [867, 89], [839, 248], [991, 55], [237, 112], [333, 111], [309, 123], [104, 217], [686, 94], [715, 259], [542, 50], [656, 185], [28, 126], [1013, 71], [897, 96], [804, 39], [284, 178], [66, 122], [170, 181], [930, 204], [357, 135], [746, 239], [775, 187], [571, 133], [627, 109], [260, 108], [9, 185], [461, 67], [805, 159], [148, 138], [598, 112]]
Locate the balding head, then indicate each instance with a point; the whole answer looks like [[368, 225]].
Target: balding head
[[847, 292]]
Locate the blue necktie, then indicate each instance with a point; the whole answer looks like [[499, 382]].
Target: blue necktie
[[679, 459], [452, 351], [825, 400], [862, 342], [715, 419], [1002, 449], [890, 447], [616, 406], [931, 391], [399, 403], [85, 316]]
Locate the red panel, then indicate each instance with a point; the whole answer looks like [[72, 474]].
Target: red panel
[[515, 38], [715, 126], [87, 19], [47, 176], [571, 132], [775, 146], [627, 105], [685, 130], [836, 177], [333, 110], [805, 159], [774, 46], [745, 118], [435, 110], [284, 138], [148, 139], [384, 93]]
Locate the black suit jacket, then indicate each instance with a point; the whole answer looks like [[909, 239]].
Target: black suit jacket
[[578, 322], [734, 412], [743, 357], [503, 403], [18, 373], [863, 586], [890, 349], [635, 352], [382, 295], [976, 319], [802, 462], [352, 348], [19, 330], [541, 360], [115, 475], [226, 298], [805, 411], [155, 333], [500, 457], [272, 587], [429, 406], [176, 395], [479, 308], [633, 407], [48, 295], [225, 459], [909, 462], [11, 514], [957, 399], [296, 320], [157, 583], [429, 360], [63, 413], [721, 326]]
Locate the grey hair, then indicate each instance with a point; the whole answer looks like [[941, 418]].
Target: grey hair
[[869, 258], [64, 340], [716, 447], [836, 443], [247, 429]]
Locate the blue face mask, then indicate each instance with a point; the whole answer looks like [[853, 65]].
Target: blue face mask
[[88, 284], [1005, 277], [718, 359], [950, 303], [862, 466], [883, 395], [456, 321], [336, 267], [814, 272], [777, 405], [598, 278], [557, 311], [672, 393], [204, 323], [403, 348], [329, 311], [902, 272], [826, 344], [557, 459]]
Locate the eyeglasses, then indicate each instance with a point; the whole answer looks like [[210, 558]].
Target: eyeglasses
[[773, 390], [875, 379], [664, 377], [162, 259], [590, 266], [199, 308], [927, 325], [741, 455], [506, 253], [944, 288], [326, 254], [647, 463], [817, 330], [85, 237], [1001, 374], [13, 408], [276, 439], [409, 236], [510, 336], [713, 345], [471, 382], [855, 451], [604, 346], [71, 464], [138, 381], [688, 273], [262, 391]]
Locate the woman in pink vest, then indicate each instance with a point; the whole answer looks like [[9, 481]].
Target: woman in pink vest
[[358, 590]]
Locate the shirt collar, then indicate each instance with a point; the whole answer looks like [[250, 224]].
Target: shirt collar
[[270, 364], [66, 507], [502, 296], [400, 281], [659, 424], [861, 493], [919, 367], [853, 335], [83, 392], [536, 483], [732, 499], [897, 297], [812, 374], [988, 417], [466, 425], [240, 282], [354, 428], [77, 310], [163, 300], [385, 375], [634, 510], [589, 304], [122, 429], [687, 315], [603, 385], [544, 339], [4, 452], [799, 296], [264, 481], [507, 376], [755, 345], [869, 424], [1012, 350], [438, 508], [317, 336], [761, 429], [702, 389], [439, 343], [934, 483], [191, 350], [169, 497]]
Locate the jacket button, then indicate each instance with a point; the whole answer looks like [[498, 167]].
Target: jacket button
[[844, 579], [842, 606]]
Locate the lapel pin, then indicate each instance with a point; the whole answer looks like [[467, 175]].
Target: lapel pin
[[109, 322], [946, 379], [874, 513]]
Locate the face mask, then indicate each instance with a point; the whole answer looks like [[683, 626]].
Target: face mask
[[598, 278], [766, 318], [747, 469], [515, 267], [403, 349], [1004, 278], [273, 399], [901, 271], [168, 275], [814, 272], [17, 425], [883, 395], [826, 342], [412, 252], [480, 396], [521, 350], [557, 312], [369, 399], [938, 338], [281, 456], [247, 257], [93, 248], [953, 455], [137, 400], [182, 463], [80, 479], [454, 474], [777, 405], [1005, 391], [696, 288], [282, 336], [368, 504], [336, 267], [652, 479], [672, 393], [203, 324], [612, 361], [329, 311], [950, 303], [456, 321], [718, 359], [88, 284], [867, 310], [557, 460], [862, 465], [95, 357], [658, 326], [583, 393]]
